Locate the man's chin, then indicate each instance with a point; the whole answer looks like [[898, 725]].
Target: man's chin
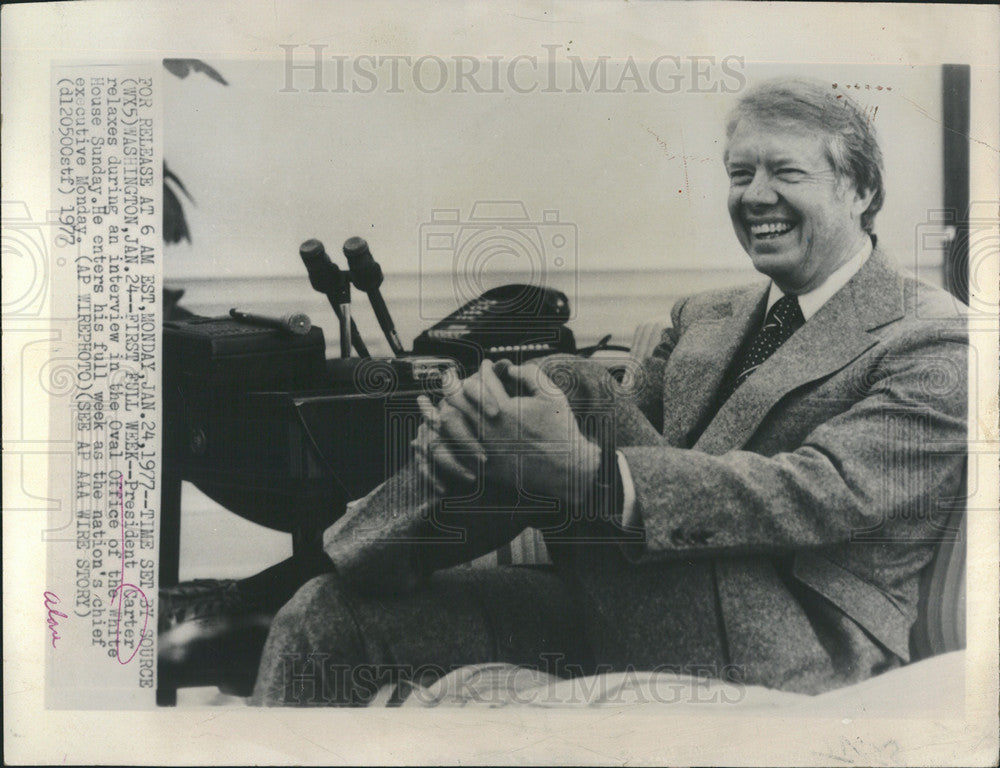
[[767, 260], [780, 266]]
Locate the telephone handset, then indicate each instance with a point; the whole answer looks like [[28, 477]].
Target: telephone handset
[[513, 321]]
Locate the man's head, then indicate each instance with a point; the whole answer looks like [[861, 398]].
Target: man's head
[[805, 173]]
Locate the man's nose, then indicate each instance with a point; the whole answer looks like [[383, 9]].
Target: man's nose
[[760, 191]]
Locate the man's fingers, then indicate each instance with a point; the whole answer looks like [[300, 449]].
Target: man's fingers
[[423, 466], [478, 396], [516, 379], [531, 380], [449, 468], [461, 402], [445, 421], [445, 461], [442, 425], [431, 415], [487, 389], [422, 442], [456, 426]]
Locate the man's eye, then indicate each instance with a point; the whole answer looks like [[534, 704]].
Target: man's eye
[[740, 177], [790, 174]]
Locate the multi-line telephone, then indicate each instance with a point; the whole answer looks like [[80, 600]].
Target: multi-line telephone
[[512, 321]]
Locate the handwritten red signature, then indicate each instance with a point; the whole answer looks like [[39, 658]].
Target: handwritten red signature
[[52, 599], [125, 590]]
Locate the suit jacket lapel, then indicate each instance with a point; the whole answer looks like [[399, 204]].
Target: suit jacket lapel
[[830, 339], [697, 366]]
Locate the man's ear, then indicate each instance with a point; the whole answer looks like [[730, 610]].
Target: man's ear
[[862, 199]]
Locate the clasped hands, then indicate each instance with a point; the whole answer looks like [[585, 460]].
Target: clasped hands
[[508, 430]]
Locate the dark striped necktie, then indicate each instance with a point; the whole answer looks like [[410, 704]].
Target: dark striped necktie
[[783, 319]]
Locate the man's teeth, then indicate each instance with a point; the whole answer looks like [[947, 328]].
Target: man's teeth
[[771, 228]]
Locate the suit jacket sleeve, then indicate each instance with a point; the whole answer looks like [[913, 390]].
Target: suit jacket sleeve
[[871, 468], [391, 540]]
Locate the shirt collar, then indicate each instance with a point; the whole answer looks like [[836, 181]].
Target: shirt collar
[[811, 301]]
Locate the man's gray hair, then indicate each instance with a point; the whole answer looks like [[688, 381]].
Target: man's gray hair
[[851, 144]]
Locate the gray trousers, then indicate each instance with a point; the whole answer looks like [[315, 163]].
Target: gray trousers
[[330, 645]]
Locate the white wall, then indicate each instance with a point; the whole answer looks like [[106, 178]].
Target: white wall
[[639, 175]]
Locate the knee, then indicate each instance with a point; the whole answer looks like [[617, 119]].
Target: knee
[[311, 635], [314, 618], [305, 602]]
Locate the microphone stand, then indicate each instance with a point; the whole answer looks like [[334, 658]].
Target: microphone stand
[[341, 300], [366, 275]]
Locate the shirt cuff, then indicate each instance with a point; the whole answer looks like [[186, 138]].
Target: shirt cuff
[[630, 516]]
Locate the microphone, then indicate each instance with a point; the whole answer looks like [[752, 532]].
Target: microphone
[[326, 277], [366, 275], [293, 322], [313, 255]]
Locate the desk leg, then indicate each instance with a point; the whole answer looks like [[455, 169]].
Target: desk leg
[[170, 556], [170, 529]]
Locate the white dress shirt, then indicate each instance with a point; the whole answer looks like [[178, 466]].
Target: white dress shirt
[[809, 303]]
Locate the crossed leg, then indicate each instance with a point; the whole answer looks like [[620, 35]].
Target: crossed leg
[[330, 645]]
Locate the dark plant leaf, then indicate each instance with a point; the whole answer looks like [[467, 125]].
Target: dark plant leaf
[[175, 226], [168, 174], [177, 67], [183, 67]]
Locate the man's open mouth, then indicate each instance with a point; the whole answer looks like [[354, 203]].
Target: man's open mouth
[[769, 230]]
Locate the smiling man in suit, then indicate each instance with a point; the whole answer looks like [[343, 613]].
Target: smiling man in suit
[[753, 501]]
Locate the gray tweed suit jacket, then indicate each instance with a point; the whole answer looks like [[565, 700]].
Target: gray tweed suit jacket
[[783, 532]]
